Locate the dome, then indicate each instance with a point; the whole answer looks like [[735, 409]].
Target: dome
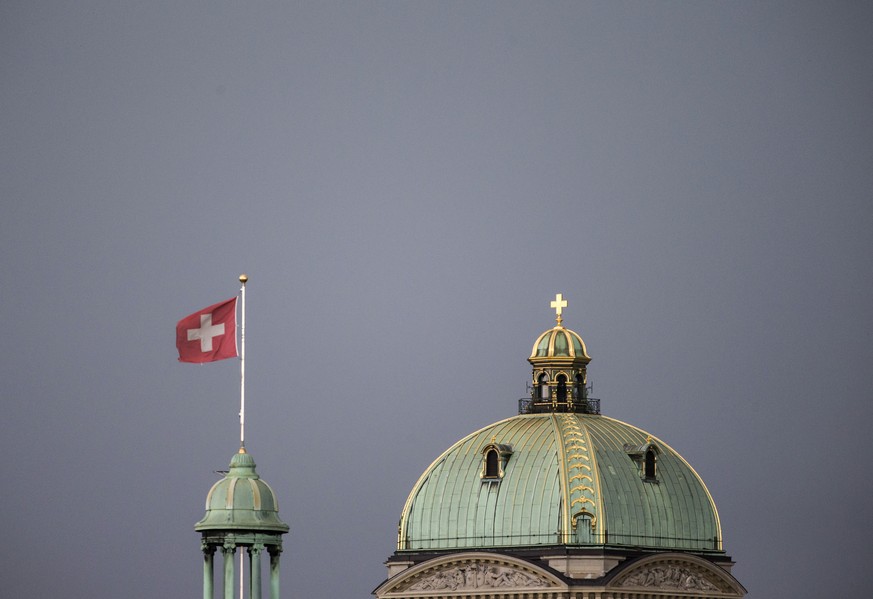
[[559, 342], [559, 501], [242, 501], [565, 479]]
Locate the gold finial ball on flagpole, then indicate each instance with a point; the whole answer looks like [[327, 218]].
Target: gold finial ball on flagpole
[[243, 278]]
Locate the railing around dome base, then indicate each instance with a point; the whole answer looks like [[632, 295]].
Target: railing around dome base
[[532, 540], [589, 405]]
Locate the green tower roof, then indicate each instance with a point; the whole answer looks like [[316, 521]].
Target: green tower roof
[[563, 479], [242, 501]]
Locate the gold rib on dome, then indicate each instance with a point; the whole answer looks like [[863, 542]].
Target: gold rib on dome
[[581, 489]]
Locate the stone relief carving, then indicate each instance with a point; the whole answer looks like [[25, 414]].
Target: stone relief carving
[[476, 576], [669, 577]]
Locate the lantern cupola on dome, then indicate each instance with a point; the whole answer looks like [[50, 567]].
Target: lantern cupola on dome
[[560, 376]]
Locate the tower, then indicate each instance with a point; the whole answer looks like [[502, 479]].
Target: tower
[[242, 512], [559, 502]]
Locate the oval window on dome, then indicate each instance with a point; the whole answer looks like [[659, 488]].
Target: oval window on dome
[[561, 346], [543, 346]]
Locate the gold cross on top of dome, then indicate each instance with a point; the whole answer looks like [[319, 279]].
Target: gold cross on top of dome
[[559, 304]]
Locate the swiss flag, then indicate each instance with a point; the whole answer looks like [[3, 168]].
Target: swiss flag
[[208, 334]]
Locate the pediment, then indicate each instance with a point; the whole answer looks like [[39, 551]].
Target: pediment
[[469, 574], [674, 572]]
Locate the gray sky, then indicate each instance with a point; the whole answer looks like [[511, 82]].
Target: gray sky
[[407, 186]]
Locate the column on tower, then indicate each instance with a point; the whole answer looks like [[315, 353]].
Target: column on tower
[[228, 550], [208, 552], [255, 571], [274, 571]]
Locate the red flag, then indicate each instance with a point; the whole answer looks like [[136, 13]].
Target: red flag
[[208, 334]]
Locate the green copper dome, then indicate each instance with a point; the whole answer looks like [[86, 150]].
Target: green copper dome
[[572, 479], [241, 501]]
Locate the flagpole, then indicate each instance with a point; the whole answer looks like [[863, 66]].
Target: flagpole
[[242, 400], [242, 365]]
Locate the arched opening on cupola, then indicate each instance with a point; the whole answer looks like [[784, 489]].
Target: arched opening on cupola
[[580, 386], [543, 383], [562, 389]]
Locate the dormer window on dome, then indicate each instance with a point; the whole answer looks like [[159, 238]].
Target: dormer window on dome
[[560, 378], [494, 458], [646, 458]]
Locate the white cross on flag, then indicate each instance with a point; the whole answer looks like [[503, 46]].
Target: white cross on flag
[[208, 334]]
